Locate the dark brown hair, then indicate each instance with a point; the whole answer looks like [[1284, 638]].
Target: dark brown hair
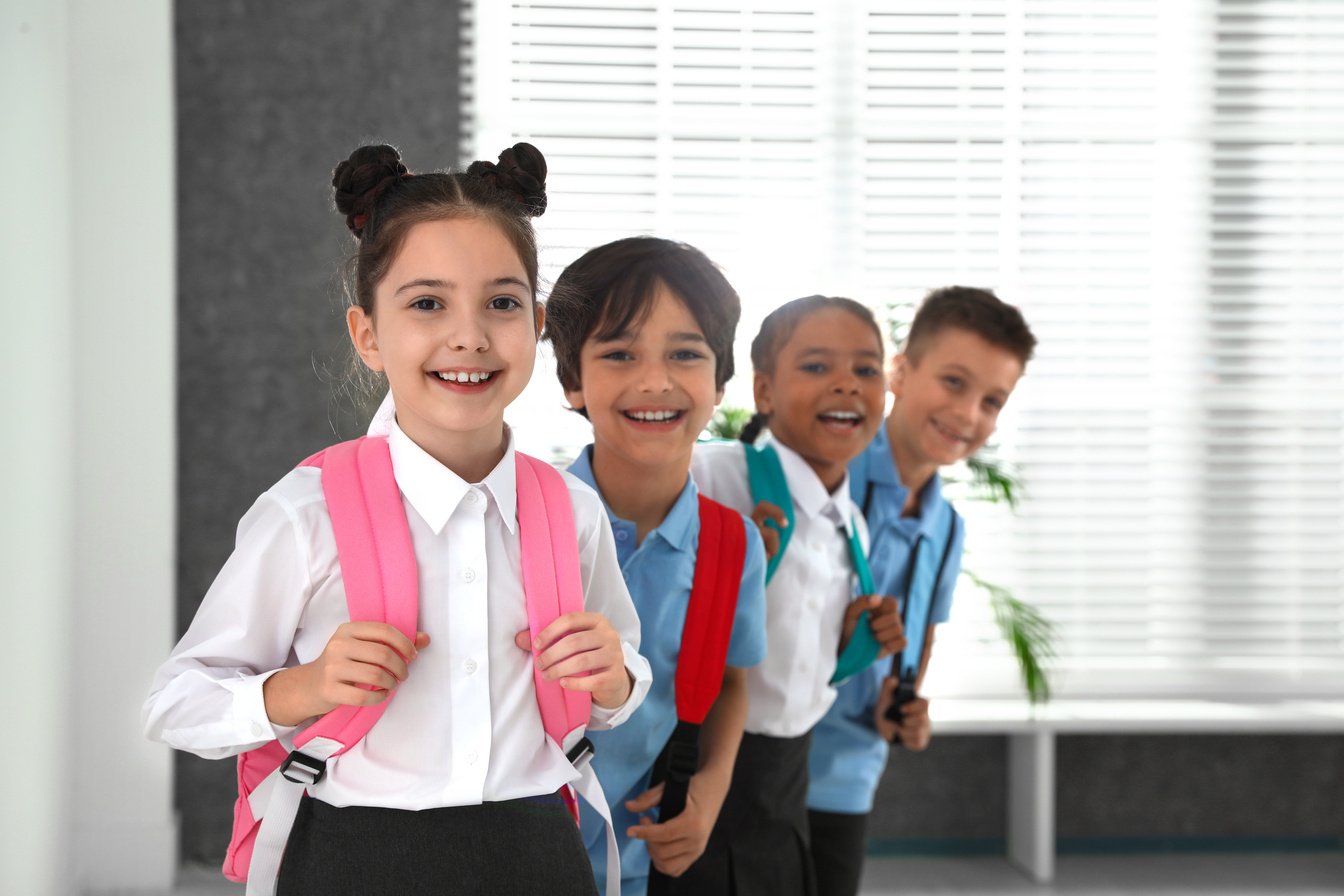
[[968, 308], [780, 324], [382, 201], [611, 288]]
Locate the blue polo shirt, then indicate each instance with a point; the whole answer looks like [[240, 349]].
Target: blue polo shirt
[[659, 573], [848, 756]]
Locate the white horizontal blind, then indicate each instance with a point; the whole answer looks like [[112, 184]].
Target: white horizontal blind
[[1157, 185]]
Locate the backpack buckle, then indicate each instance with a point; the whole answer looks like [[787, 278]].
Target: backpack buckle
[[303, 769], [581, 752], [683, 759]]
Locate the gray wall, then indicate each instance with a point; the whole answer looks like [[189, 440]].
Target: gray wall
[[270, 97]]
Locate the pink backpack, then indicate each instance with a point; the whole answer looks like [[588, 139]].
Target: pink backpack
[[373, 541]]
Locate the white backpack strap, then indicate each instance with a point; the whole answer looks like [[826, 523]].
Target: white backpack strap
[[286, 790]]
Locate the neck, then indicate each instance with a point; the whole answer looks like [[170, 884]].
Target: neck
[[470, 455], [642, 494], [830, 474], [914, 473]]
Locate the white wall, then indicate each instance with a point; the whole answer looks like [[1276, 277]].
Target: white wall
[[87, 279]]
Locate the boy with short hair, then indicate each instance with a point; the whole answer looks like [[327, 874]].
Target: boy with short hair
[[964, 354], [643, 336]]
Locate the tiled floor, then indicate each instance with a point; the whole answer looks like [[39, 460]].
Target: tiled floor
[[1300, 874]]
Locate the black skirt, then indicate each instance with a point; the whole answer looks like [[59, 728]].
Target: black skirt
[[759, 846], [520, 846]]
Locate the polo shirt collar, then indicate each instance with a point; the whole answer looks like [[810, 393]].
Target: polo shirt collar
[[675, 529]]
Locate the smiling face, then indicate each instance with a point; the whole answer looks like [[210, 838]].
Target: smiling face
[[454, 328], [947, 402], [825, 393], [649, 391]]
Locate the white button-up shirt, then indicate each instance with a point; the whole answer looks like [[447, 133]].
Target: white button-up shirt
[[464, 727], [805, 601]]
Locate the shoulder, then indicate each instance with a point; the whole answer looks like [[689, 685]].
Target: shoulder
[[717, 464], [297, 495], [589, 511]]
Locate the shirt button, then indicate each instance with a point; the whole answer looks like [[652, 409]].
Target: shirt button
[[468, 575], [622, 535], [471, 497], [472, 756], [257, 730], [470, 667]]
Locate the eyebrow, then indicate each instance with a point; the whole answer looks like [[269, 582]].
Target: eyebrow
[[626, 335], [434, 283], [828, 352]]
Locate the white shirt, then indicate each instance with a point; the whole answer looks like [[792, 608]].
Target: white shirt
[[805, 601], [464, 727]]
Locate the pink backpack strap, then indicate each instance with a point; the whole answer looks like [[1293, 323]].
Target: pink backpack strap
[[373, 543], [550, 559]]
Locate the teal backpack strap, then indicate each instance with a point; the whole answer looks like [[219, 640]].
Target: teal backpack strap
[[862, 649], [765, 478]]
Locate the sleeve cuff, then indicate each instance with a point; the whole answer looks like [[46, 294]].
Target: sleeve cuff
[[602, 718], [249, 709]]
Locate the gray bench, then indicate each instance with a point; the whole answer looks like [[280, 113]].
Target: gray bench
[[1031, 735]]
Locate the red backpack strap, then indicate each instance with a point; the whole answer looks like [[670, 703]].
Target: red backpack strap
[[549, 548], [719, 559], [373, 544]]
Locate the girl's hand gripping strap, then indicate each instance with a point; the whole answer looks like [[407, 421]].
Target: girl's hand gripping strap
[[862, 649], [551, 581], [765, 479], [373, 542]]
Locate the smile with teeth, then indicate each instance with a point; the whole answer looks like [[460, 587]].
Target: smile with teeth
[[662, 416], [841, 418], [462, 376]]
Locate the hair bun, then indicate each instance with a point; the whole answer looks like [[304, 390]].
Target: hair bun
[[361, 179], [520, 173]]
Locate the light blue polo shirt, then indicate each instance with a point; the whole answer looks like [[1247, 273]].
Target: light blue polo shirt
[[848, 756], [659, 573]]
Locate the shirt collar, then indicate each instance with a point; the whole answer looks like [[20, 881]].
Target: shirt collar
[[675, 529], [808, 494], [881, 470], [435, 491]]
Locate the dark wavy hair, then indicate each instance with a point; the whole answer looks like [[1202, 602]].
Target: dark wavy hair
[[609, 289]]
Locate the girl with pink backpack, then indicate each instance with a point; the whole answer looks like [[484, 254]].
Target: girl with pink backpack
[[428, 578]]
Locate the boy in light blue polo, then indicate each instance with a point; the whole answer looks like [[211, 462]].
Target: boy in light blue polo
[[965, 352], [643, 333]]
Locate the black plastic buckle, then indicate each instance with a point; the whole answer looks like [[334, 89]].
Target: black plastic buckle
[[681, 757], [308, 769], [581, 751], [905, 692]]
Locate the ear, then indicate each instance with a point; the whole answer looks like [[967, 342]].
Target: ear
[[539, 313], [575, 398], [896, 380], [718, 397], [363, 337], [763, 391]]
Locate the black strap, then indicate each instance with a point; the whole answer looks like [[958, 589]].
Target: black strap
[[679, 760], [905, 683]]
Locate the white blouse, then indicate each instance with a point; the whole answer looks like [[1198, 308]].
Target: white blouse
[[805, 601], [464, 727]]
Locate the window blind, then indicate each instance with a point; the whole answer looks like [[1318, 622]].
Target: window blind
[[1159, 186]]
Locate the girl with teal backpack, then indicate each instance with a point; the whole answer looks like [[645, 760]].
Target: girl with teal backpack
[[818, 386]]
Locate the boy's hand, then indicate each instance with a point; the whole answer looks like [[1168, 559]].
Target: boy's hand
[[769, 534], [882, 618], [675, 844], [915, 729], [362, 663], [583, 652]]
